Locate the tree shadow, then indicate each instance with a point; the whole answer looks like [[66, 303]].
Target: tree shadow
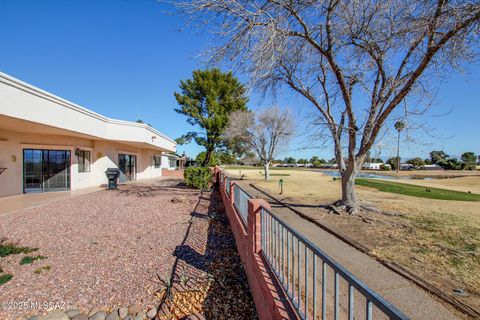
[[207, 263]]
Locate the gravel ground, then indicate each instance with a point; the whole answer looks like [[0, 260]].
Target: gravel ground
[[208, 279], [105, 249]]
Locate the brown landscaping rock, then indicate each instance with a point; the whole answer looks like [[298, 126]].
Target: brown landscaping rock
[[113, 315], [98, 316], [73, 312], [134, 309], [93, 310], [195, 316], [152, 313], [122, 312], [55, 315], [140, 316], [80, 317]]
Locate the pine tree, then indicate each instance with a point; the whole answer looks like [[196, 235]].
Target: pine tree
[[207, 100]]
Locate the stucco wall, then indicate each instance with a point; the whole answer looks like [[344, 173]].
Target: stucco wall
[[104, 154]]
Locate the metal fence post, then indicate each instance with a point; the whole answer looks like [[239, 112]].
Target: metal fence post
[[232, 196], [254, 228]]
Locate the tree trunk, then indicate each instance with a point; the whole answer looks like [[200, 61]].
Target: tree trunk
[[349, 197], [208, 155], [267, 170], [398, 152]]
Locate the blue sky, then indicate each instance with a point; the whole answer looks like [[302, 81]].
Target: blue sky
[[124, 59]]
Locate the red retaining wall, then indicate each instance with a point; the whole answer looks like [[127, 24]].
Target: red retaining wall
[[270, 300], [173, 173]]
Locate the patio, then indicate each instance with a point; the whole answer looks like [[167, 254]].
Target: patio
[[123, 248]]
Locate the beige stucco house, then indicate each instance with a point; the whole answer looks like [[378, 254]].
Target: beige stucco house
[[50, 144]]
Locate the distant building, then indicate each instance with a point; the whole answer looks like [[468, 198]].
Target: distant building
[[431, 167], [329, 166], [375, 166], [184, 161], [406, 166]]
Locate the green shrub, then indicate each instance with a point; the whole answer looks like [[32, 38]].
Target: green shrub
[[7, 248], [28, 259], [199, 178], [385, 168], [4, 278]]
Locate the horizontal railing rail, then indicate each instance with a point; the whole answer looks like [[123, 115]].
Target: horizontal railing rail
[[240, 202], [295, 261]]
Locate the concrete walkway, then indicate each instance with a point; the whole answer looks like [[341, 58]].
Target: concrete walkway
[[405, 295], [13, 203]]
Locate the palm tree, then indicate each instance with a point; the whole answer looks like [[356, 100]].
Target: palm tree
[[399, 126]]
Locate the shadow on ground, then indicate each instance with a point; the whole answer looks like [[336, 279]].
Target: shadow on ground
[[208, 280]]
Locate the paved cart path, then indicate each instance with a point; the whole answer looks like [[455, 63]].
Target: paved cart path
[[415, 302]]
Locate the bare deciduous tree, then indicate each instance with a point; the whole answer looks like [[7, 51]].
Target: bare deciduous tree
[[355, 61], [265, 132]]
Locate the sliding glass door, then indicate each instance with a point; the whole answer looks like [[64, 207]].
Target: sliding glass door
[[46, 170], [127, 164]]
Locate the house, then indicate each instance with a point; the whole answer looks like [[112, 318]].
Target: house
[[375, 165], [49, 144], [406, 166], [329, 166], [431, 167]]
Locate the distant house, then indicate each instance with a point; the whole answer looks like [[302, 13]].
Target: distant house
[[329, 166], [374, 165], [431, 167], [406, 166], [184, 161]]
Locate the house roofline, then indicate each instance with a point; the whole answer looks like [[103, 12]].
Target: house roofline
[[18, 84]]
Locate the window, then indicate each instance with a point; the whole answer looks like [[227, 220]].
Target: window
[[172, 162], [157, 161], [83, 158]]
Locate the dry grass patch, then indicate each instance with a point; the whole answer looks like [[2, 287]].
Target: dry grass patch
[[439, 240]]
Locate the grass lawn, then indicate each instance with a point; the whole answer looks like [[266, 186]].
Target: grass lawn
[[279, 175], [417, 191]]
